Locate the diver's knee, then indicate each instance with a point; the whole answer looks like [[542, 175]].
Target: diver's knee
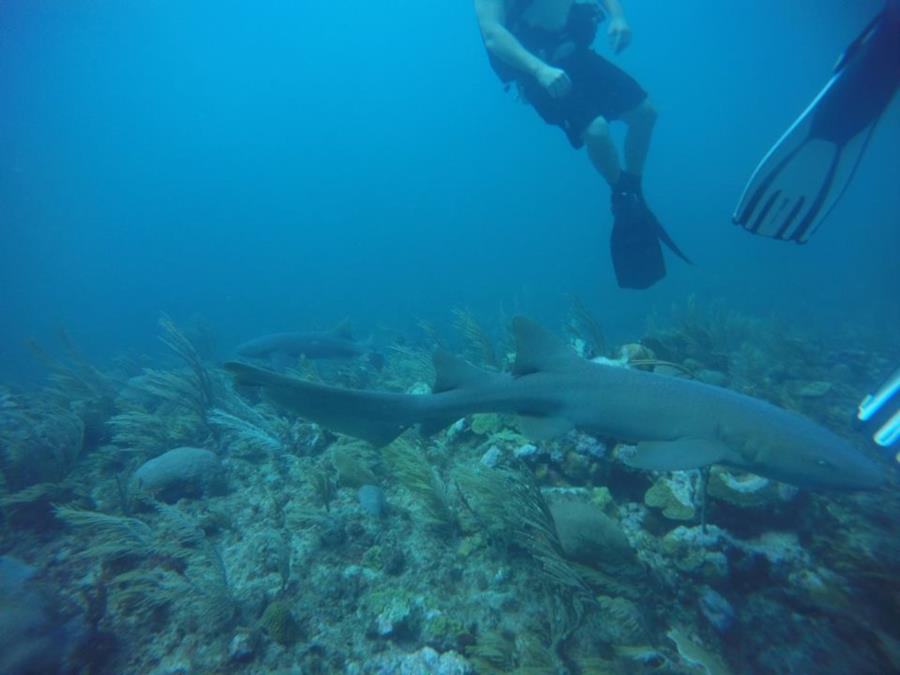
[[597, 132]]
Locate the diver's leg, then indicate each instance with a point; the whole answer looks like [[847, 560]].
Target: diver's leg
[[640, 121], [635, 239], [602, 151]]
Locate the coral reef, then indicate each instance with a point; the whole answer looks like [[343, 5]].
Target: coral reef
[[471, 551], [279, 623], [478, 345], [674, 495], [419, 477], [39, 441], [747, 490], [36, 636]]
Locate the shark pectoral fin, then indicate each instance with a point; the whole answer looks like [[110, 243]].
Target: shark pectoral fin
[[542, 428], [677, 455]]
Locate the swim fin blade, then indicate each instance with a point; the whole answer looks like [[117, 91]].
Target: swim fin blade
[[804, 175], [798, 184], [636, 253], [635, 246]]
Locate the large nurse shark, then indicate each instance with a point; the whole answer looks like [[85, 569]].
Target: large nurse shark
[[675, 423]]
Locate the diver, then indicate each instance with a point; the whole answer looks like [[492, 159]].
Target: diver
[[804, 175], [544, 46]]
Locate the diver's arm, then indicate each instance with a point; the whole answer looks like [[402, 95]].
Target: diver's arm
[[500, 42], [619, 31]]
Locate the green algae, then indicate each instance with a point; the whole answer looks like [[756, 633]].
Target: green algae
[[602, 497], [373, 558], [279, 623], [695, 654], [353, 461], [673, 505], [419, 477], [493, 651], [486, 424]]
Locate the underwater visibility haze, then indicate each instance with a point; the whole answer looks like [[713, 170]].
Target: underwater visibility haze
[[323, 350]]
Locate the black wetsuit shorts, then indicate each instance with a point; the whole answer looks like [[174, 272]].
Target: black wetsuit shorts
[[598, 88]]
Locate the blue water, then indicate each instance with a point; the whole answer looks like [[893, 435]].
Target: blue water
[[285, 165], [254, 167]]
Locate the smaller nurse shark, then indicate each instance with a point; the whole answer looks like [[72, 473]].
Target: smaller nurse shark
[[282, 348], [675, 423]]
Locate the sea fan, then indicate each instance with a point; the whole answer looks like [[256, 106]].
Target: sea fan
[[244, 435]]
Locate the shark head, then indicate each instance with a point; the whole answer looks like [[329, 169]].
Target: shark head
[[822, 461]]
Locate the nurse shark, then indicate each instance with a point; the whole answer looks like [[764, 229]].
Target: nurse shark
[[281, 348], [675, 423]]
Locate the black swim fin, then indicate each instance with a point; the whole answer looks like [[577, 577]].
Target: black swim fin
[[635, 243], [804, 175]]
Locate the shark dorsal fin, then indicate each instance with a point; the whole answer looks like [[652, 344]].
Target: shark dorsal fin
[[537, 349], [343, 330], [451, 372]]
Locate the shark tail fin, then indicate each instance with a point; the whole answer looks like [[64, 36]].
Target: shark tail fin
[[372, 416]]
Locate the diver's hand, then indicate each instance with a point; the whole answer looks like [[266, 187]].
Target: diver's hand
[[619, 33], [555, 81]]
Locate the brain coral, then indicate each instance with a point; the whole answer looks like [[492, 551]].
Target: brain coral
[[181, 472]]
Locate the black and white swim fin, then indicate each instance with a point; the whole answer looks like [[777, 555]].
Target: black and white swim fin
[[803, 176]]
